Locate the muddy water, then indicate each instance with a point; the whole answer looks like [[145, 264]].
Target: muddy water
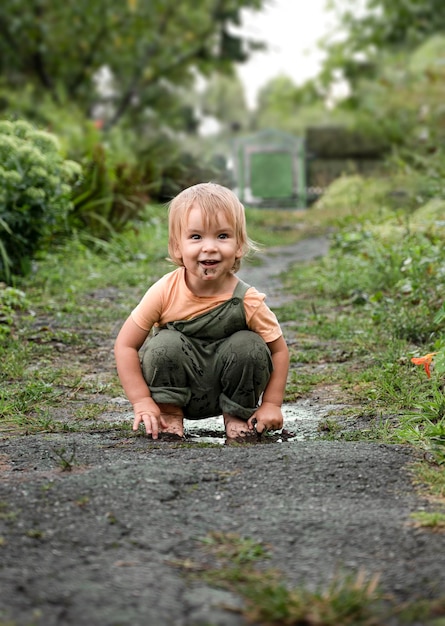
[[301, 423]]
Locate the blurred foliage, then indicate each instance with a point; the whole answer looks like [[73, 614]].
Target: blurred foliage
[[385, 258], [35, 194], [284, 106], [117, 57], [404, 103], [349, 198], [114, 81], [110, 195], [11, 300], [224, 100], [77, 134], [375, 27]]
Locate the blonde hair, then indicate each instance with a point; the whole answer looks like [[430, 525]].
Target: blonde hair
[[213, 200]]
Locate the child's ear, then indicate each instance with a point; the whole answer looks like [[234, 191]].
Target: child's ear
[[178, 252]]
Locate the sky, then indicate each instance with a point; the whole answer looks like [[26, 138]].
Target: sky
[[291, 28]]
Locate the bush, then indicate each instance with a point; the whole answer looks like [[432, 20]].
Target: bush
[[111, 194], [35, 194], [355, 199], [11, 300]]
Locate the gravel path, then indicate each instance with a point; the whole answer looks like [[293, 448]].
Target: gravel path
[[110, 542]]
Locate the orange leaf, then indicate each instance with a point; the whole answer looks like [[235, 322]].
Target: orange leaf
[[425, 361]]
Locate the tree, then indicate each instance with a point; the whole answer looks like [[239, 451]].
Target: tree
[[382, 26], [224, 99], [147, 46], [288, 107]]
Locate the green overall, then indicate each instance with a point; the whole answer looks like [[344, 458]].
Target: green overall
[[211, 364]]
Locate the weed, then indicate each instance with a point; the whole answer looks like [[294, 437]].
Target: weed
[[300, 382], [65, 459], [416, 430], [83, 501], [111, 518], [429, 519], [6, 514], [88, 412], [232, 547], [352, 599], [11, 300], [432, 407], [328, 426], [35, 533], [426, 612], [348, 599], [431, 475]]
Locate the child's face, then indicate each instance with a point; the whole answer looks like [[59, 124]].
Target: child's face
[[208, 251]]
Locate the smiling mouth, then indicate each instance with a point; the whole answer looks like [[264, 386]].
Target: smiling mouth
[[208, 263]]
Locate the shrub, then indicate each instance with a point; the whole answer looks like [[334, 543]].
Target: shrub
[[112, 193], [35, 193], [355, 199], [11, 300]]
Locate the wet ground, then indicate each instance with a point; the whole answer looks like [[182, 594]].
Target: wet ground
[[301, 423], [109, 528]]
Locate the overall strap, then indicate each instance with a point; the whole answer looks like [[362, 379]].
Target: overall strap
[[218, 323], [240, 289]]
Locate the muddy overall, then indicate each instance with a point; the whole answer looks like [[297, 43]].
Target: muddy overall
[[209, 365]]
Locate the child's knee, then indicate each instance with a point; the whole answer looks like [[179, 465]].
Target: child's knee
[[247, 346], [162, 348], [161, 358]]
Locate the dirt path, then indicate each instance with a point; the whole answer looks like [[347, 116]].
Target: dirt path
[[113, 541]]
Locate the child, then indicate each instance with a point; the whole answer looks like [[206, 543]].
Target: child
[[216, 347]]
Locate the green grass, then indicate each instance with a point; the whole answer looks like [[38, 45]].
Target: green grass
[[275, 227], [239, 564], [432, 520]]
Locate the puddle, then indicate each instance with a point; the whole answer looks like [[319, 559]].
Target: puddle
[[300, 423], [301, 420]]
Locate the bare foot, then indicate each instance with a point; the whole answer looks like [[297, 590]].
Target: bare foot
[[236, 428], [174, 418]]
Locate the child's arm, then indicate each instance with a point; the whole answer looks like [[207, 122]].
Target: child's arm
[[269, 415], [126, 350]]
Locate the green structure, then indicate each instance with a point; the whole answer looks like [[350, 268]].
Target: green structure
[[270, 169]]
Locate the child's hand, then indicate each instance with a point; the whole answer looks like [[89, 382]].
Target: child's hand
[[148, 412], [268, 417]]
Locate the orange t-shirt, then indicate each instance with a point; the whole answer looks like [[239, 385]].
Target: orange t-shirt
[[170, 300]]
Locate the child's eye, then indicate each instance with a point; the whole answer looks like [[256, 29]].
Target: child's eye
[[195, 236], [223, 236]]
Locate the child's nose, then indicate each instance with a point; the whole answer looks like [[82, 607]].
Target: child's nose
[[209, 244]]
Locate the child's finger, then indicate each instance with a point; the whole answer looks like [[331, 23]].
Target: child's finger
[[151, 425], [150, 422], [253, 424], [137, 420]]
